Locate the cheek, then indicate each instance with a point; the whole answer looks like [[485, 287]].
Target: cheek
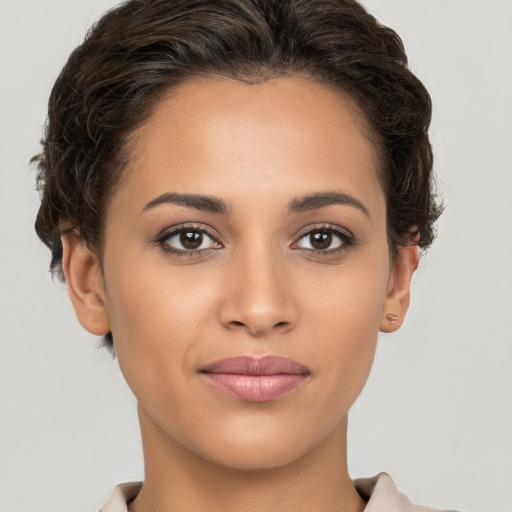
[[152, 297], [350, 298], [155, 316], [345, 321]]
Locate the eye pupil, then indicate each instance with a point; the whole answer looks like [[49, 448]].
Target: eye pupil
[[321, 239], [191, 239]]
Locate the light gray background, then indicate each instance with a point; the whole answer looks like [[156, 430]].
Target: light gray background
[[437, 411]]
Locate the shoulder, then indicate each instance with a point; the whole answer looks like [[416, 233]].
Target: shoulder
[[121, 496], [379, 492], [381, 495]]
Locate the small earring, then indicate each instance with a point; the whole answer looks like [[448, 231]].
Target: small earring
[[391, 317]]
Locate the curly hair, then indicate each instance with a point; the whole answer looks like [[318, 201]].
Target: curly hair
[[140, 49]]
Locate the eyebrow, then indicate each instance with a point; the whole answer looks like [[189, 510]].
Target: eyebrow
[[212, 204], [323, 199], [204, 203]]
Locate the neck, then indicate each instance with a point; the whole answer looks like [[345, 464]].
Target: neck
[[177, 479]]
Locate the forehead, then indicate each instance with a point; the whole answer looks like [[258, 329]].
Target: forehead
[[224, 137]]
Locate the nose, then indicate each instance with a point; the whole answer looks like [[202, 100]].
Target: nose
[[259, 295]]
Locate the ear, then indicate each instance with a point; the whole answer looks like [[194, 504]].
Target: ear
[[399, 286], [85, 284]]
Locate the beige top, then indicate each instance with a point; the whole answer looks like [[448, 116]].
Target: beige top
[[379, 492]]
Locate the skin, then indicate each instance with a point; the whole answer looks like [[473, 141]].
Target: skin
[[256, 288]]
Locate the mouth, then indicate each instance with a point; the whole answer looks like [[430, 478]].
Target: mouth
[[256, 379]]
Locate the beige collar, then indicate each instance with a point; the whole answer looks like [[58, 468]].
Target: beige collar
[[379, 492]]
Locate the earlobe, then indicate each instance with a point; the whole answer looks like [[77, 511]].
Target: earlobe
[[85, 284], [398, 295]]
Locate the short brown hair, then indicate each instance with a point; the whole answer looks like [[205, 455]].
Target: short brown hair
[[141, 48]]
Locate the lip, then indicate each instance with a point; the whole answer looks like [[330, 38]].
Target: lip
[[256, 379]]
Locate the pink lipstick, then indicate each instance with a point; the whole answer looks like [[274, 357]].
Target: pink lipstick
[[256, 379]]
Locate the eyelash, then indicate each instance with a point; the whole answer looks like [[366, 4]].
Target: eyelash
[[162, 240], [347, 239]]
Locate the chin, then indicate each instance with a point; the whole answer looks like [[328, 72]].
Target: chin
[[257, 449], [247, 458]]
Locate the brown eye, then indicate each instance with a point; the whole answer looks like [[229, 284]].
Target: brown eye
[[191, 239], [325, 239], [320, 240], [188, 241]]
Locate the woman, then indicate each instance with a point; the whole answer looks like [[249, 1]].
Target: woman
[[236, 193]]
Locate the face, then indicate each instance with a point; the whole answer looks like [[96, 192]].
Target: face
[[251, 222]]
